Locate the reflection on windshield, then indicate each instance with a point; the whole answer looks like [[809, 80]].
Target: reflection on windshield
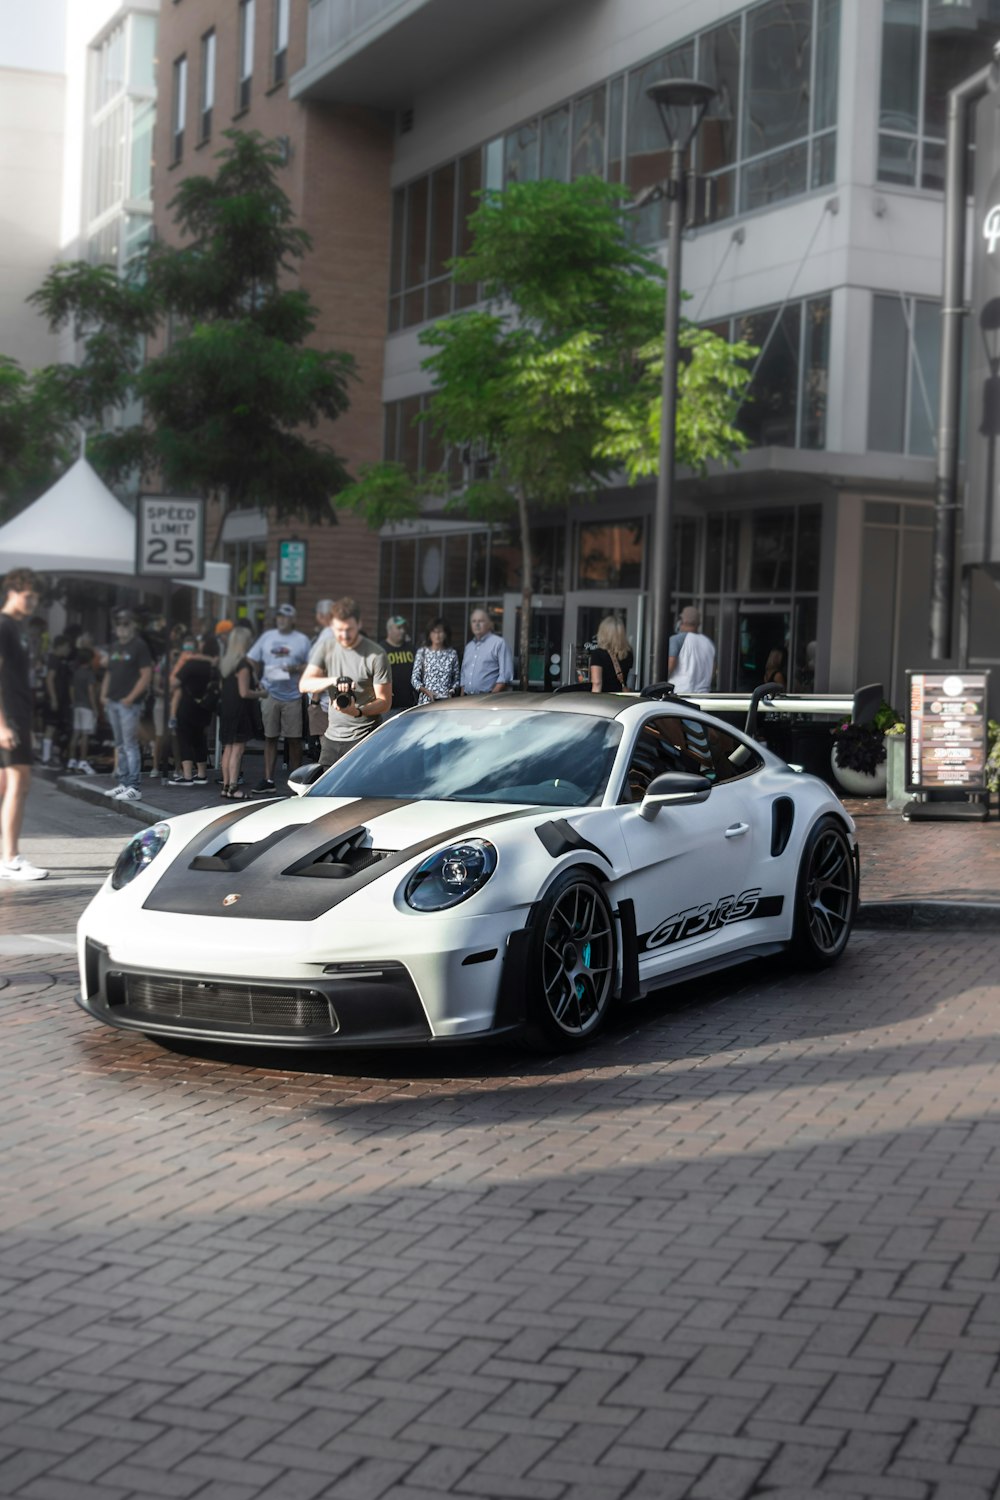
[[548, 760]]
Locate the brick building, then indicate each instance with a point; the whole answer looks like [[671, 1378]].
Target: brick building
[[225, 65]]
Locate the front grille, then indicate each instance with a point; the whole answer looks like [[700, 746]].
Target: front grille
[[246, 1006]]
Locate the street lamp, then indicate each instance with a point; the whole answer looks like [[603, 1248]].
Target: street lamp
[[681, 103]]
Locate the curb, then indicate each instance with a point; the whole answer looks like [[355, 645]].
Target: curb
[[929, 915], [134, 812]]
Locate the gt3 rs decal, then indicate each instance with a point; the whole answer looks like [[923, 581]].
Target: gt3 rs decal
[[695, 921]]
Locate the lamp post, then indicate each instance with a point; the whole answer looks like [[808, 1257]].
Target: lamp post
[[681, 103]]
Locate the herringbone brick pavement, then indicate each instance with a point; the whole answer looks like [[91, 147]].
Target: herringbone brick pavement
[[746, 1246]]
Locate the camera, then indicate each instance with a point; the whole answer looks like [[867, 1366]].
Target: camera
[[345, 692]]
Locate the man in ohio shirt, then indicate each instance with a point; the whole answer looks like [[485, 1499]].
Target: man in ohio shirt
[[399, 653], [343, 651], [280, 655]]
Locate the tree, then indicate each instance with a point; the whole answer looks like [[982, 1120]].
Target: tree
[[556, 382], [36, 436], [234, 381]]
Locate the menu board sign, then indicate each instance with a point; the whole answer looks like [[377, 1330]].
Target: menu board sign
[[946, 731]]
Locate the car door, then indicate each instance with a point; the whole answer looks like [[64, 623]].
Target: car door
[[694, 869]]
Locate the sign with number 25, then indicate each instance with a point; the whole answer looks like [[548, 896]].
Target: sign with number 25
[[170, 537]]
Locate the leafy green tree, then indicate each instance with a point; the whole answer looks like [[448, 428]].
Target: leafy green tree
[[232, 379], [556, 381], [36, 436]]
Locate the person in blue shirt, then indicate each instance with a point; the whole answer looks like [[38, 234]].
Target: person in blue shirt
[[487, 665]]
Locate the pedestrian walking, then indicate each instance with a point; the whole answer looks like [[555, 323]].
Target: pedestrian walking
[[58, 702], [436, 670], [281, 654], [355, 670], [487, 665], [238, 710], [690, 655], [126, 682], [20, 590]]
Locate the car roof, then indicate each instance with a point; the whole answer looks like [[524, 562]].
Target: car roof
[[593, 705]]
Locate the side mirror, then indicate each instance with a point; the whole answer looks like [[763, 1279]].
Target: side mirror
[[674, 789], [301, 780]]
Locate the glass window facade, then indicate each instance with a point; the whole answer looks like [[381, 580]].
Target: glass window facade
[[928, 46], [786, 404], [903, 386], [770, 134], [248, 580]]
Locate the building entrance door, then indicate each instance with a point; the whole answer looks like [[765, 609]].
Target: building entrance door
[[763, 634], [545, 662], [584, 611]]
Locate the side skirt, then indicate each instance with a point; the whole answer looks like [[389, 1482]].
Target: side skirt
[[710, 966]]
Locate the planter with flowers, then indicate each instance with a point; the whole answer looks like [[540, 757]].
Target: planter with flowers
[[858, 757]]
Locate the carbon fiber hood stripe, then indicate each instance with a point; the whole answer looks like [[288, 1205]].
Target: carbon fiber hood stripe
[[270, 877]]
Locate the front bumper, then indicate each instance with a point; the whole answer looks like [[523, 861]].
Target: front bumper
[[367, 1004]]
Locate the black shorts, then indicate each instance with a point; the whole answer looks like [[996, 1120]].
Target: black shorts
[[21, 755]]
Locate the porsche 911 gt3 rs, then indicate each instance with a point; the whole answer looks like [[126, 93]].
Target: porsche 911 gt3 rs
[[474, 868]]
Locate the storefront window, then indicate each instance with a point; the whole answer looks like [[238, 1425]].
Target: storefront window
[[610, 556]]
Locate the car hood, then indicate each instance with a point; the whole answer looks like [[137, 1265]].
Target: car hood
[[289, 861]]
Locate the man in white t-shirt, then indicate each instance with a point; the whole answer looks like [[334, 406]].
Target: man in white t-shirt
[[690, 655], [280, 654], [343, 652]]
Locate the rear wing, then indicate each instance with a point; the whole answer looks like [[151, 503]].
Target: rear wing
[[860, 707]]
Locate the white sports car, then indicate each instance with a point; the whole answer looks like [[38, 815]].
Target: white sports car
[[508, 864]]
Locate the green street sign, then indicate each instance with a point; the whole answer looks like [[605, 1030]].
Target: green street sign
[[292, 559]]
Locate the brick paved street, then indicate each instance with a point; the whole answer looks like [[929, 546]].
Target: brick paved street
[[747, 1245]]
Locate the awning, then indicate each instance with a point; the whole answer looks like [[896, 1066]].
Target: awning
[[78, 526]]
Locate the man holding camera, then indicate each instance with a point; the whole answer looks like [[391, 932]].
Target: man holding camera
[[355, 670]]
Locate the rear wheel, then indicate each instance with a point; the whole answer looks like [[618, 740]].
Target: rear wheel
[[572, 962], [826, 896]]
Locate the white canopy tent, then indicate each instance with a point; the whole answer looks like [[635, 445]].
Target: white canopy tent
[[79, 527]]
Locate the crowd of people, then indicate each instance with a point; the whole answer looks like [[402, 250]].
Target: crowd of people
[[171, 701]]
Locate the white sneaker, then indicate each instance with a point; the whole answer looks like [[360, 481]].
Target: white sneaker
[[85, 768], [72, 765], [20, 868], [129, 794], [115, 791]]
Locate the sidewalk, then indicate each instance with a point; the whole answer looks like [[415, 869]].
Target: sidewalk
[[912, 874]]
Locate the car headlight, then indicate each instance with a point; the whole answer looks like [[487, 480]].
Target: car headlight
[[139, 852], [450, 876]]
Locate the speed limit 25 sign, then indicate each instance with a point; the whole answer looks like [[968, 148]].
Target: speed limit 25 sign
[[170, 537]]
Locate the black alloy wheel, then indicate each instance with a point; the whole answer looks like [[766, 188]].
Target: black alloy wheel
[[827, 896], [572, 963]]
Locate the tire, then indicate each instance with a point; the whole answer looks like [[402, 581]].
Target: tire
[[826, 896], [572, 963]]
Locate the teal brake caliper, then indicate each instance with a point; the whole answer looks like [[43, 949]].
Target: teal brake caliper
[[585, 955]]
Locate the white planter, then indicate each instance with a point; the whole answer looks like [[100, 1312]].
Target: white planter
[[856, 783]]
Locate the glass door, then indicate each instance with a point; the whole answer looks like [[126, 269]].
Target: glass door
[[585, 609]]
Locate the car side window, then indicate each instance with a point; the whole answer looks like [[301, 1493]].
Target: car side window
[[671, 743], [660, 746], [723, 756]]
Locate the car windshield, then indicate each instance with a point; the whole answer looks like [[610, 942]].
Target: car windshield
[[544, 759]]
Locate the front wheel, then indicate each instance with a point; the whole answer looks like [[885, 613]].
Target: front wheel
[[572, 962], [826, 896]]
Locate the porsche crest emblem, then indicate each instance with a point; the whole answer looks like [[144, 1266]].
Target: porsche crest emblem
[[231, 900]]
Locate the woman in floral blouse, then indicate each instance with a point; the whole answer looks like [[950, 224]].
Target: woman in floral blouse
[[436, 668]]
